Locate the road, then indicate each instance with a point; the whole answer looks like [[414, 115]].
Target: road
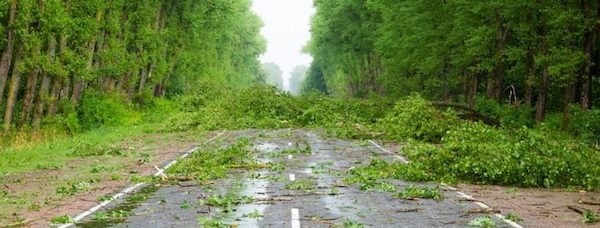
[[298, 190]]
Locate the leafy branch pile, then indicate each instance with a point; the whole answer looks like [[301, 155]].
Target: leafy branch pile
[[442, 145]]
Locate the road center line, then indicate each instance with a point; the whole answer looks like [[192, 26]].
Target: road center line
[[295, 218], [461, 194], [292, 177], [133, 187]]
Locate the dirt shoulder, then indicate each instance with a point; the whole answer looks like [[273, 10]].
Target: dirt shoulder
[[537, 207], [33, 198]]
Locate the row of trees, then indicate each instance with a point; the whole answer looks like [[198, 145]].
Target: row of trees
[[53, 51], [542, 54]]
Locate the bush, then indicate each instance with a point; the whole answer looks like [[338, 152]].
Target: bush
[[415, 117], [586, 125], [98, 109], [477, 153]]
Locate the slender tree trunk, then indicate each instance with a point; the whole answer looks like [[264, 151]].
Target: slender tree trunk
[[28, 99], [500, 67], [568, 98], [66, 89], [7, 54], [540, 113], [474, 88], [590, 40], [54, 96], [79, 83], [123, 82], [530, 77], [13, 90], [42, 97]]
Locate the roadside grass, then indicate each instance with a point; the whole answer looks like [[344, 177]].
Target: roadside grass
[[484, 222]]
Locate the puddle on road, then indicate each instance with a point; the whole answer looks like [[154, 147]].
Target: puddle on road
[[249, 215], [266, 147]]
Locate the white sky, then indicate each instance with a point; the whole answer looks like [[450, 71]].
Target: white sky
[[287, 30]]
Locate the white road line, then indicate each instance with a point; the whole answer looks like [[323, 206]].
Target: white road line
[[290, 157], [402, 159], [292, 177], [461, 194], [295, 218], [133, 187]]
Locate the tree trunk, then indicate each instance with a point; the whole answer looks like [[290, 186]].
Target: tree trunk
[[540, 113], [500, 67], [586, 77], [473, 91], [530, 77], [28, 99], [42, 97], [568, 98], [7, 54], [79, 83], [143, 77], [13, 90], [54, 96]]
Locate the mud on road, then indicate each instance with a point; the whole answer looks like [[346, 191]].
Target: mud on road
[[303, 188]]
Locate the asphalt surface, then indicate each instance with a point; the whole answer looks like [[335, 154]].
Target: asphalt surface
[[323, 201]]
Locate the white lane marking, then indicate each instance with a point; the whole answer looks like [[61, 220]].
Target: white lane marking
[[292, 177], [402, 159], [295, 218], [290, 156], [461, 194], [133, 187], [464, 195]]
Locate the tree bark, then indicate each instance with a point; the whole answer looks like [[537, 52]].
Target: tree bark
[[540, 113], [473, 91], [7, 54], [42, 97], [568, 98], [79, 83], [28, 99], [500, 67], [590, 40], [54, 96], [530, 77], [13, 90]]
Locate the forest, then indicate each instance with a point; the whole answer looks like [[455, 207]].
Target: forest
[[62, 59], [536, 56]]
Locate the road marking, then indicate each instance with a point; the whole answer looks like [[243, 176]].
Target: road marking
[[290, 156], [292, 177], [461, 194], [402, 159], [130, 189], [295, 218]]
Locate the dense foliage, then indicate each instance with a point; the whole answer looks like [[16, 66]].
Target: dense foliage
[[534, 55], [441, 145], [81, 64]]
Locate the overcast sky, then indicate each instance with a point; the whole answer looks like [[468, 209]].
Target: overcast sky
[[287, 30]]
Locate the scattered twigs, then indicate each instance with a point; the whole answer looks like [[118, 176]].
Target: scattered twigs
[[579, 210]]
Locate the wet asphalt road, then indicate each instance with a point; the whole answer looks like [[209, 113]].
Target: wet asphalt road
[[329, 202]]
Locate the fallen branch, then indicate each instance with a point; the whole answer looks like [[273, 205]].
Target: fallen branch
[[589, 202], [483, 211], [577, 209], [409, 210]]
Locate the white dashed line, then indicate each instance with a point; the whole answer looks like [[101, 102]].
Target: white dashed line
[[402, 159], [295, 218], [461, 194], [292, 177], [290, 157], [130, 189]]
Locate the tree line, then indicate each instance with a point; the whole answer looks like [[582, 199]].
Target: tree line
[[541, 54], [53, 52]]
